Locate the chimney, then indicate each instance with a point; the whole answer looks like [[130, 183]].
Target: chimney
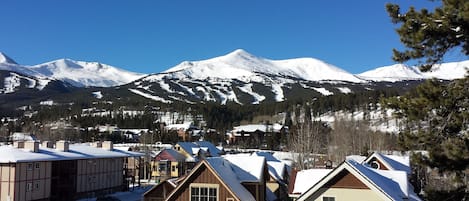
[[107, 145], [32, 146], [62, 145], [97, 144], [47, 144], [18, 144]]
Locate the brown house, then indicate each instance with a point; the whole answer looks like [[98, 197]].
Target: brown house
[[162, 190], [222, 179]]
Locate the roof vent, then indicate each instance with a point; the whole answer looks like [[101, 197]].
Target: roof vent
[[32, 146], [97, 144], [107, 145], [48, 144], [62, 145], [18, 144]]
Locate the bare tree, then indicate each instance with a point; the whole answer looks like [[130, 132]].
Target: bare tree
[[308, 138]]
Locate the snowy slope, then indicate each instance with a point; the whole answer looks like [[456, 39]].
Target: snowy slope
[[448, 71], [393, 73], [76, 73], [83, 74], [5, 59], [401, 72], [242, 65]]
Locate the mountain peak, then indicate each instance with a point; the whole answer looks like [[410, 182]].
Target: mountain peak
[[5, 59], [239, 53]]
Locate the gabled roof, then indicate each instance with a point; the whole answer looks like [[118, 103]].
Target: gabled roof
[[247, 168], [305, 179], [193, 148], [214, 151], [392, 162], [170, 155], [223, 171], [390, 185]]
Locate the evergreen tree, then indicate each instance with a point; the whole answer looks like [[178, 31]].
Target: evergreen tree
[[429, 35], [436, 115]]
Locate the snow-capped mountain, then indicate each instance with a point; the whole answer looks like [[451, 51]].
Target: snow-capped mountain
[[401, 72], [243, 78], [238, 77], [393, 73], [85, 74], [240, 64], [5, 59], [76, 73]]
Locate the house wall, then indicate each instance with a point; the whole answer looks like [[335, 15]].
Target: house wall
[[159, 193], [99, 176], [342, 194], [25, 181], [203, 176]]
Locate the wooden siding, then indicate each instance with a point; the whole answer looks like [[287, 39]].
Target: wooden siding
[[381, 165], [16, 177], [202, 175], [160, 192], [345, 180]]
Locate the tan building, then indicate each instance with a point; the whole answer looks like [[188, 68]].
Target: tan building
[[66, 172], [168, 163]]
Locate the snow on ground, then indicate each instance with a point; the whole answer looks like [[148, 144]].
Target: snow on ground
[[97, 94], [379, 121], [247, 88], [344, 90], [278, 91], [11, 83], [323, 91], [156, 98], [165, 86], [134, 194]]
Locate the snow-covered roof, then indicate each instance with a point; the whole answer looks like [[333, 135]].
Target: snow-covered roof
[[357, 158], [258, 127], [17, 136], [170, 154], [247, 168], [184, 126], [276, 170], [391, 183], [305, 179], [392, 162], [214, 151], [10, 154], [225, 170], [193, 148]]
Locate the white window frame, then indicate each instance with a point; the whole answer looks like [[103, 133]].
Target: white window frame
[[29, 186], [204, 185]]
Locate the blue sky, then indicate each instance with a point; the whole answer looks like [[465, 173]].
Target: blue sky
[[151, 36]]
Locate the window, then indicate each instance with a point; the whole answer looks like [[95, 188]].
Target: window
[[29, 186], [204, 192], [328, 198], [30, 166], [36, 185], [173, 168], [37, 165]]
